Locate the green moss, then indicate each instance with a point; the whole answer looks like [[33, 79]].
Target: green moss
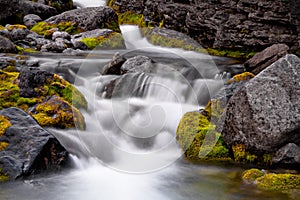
[[198, 139], [112, 41], [4, 124], [279, 182], [130, 17], [252, 174], [41, 28], [230, 53], [16, 26]]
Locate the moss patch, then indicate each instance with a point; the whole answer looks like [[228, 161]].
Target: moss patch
[[241, 155], [111, 41], [230, 53], [58, 113], [198, 139], [10, 93], [41, 28], [130, 17], [16, 26], [252, 174], [241, 77], [4, 124], [3, 176]]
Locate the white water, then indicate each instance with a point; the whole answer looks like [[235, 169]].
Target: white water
[[129, 151]]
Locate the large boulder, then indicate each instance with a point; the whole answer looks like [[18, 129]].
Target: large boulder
[[8, 10], [263, 59], [6, 46], [137, 64], [26, 147], [89, 19], [263, 116]]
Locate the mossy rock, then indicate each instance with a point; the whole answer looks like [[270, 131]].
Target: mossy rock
[[3, 176], [4, 124], [41, 28], [272, 181], [111, 41], [199, 140], [241, 77], [132, 18], [252, 174], [10, 93], [16, 26], [242, 54], [56, 112]]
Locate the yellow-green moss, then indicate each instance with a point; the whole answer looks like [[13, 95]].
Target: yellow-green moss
[[279, 182], [16, 26], [230, 53], [241, 77], [3, 177], [252, 174], [2, 27], [25, 50], [41, 28], [4, 124], [58, 113], [130, 17], [241, 155], [10, 94], [214, 109], [197, 139], [112, 41]]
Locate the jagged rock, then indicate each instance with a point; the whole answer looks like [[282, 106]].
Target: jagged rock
[[265, 58], [263, 115], [225, 24], [30, 148], [114, 66], [89, 18], [137, 64], [31, 19], [6, 46]]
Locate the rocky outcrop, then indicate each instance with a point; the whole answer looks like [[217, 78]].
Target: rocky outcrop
[[6, 46], [263, 59], [31, 19], [263, 116], [28, 147], [226, 24], [89, 19]]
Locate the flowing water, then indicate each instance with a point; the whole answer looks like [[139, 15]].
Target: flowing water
[[129, 150]]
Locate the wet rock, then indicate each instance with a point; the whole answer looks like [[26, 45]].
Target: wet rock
[[288, 155], [91, 34], [36, 40], [29, 7], [30, 148], [6, 46], [265, 58], [79, 45], [89, 18], [137, 64], [263, 116], [62, 114], [8, 11], [31, 19], [114, 66], [17, 32], [59, 34]]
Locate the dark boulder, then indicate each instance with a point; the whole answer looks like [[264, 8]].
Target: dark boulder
[[6, 46], [114, 66], [8, 10], [265, 58], [60, 5], [137, 64], [32, 78], [263, 116], [89, 18], [30, 148], [31, 19], [29, 7]]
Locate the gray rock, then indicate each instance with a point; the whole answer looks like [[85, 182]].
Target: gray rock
[[89, 18], [63, 35], [6, 46], [288, 155], [114, 66], [264, 114], [29, 7], [30, 149], [265, 58], [79, 45], [137, 64], [90, 34], [31, 19], [17, 34]]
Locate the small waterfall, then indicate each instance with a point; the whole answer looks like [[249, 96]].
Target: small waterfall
[[133, 38]]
